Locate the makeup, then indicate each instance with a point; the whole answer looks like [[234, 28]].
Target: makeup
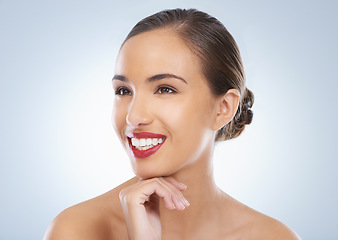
[[145, 144]]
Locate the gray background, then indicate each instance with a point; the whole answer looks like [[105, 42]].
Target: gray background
[[57, 144]]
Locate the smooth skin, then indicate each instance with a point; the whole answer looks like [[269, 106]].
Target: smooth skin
[[173, 195]]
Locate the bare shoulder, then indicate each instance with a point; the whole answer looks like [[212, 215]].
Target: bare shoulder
[[251, 224], [97, 218], [266, 227]]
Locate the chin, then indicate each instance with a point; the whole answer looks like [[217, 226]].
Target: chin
[[147, 174], [150, 173]]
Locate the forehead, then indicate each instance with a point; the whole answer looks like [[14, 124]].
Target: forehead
[[155, 52]]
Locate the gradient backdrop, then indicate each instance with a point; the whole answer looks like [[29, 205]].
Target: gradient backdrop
[[57, 144]]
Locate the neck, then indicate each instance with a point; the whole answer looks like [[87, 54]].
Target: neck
[[202, 194]]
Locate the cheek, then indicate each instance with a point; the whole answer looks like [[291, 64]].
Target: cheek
[[187, 122], [173, 114], [185, 115]]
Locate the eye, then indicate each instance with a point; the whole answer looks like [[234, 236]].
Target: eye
[[122, 91], [165, 90]]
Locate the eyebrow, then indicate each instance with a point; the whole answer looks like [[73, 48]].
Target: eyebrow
[[152, 78]]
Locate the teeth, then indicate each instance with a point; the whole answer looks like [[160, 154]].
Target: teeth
[[142, 142], [146, 143], [134, 141]]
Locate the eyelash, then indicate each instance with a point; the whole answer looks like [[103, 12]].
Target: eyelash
[[166, 87], [159, 90], [118, 91]]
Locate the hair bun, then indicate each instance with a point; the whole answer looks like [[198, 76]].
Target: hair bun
[[246, 115], [242, 117]]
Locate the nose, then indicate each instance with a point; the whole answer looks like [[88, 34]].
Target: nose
[[138, 113]]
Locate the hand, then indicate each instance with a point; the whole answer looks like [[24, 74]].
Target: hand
[[140, 204]]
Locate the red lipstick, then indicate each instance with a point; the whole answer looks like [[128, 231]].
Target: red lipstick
[[145, 153]]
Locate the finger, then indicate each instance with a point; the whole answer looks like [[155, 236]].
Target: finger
[[177, 184], [141, 191], [177, 196], [154, 186], [137, 193], [173, 194]]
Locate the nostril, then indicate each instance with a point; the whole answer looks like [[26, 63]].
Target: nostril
[[138, 112], [136, 121]]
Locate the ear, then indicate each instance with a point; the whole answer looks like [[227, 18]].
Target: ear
[[226, 107]]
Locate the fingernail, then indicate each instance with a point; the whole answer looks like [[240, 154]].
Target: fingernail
[[186, 202], [183, 185], [174, 206]]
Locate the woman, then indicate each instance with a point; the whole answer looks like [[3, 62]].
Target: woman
[[179, 86]]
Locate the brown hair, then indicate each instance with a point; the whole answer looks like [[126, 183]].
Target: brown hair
[[218, 53]]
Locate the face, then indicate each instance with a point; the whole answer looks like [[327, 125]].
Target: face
[[163, 107]]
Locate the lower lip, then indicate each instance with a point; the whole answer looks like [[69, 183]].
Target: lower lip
[[144, 153]]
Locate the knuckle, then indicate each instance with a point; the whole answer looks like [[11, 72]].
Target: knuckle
[[157, 183], [169, 194], [126, 197], [156, 180]]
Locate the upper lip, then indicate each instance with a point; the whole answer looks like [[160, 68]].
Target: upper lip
[[144, 135]]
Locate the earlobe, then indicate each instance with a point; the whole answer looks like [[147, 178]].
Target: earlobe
[[226, 108]]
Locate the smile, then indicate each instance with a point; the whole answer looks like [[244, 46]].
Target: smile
[[145, 144]]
